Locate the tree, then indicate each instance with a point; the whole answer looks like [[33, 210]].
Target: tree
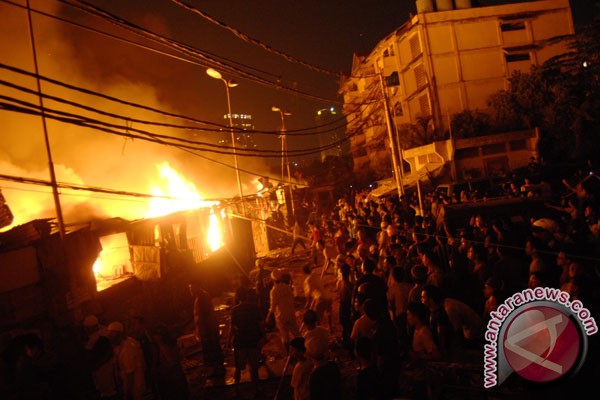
[[561, 97], [470, 123]]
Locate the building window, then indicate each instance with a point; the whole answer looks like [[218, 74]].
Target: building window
[[392, 79], [420, 75], [415, 46], [515, 57], [512, 26]]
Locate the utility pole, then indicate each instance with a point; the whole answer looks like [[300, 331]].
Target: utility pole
[[399, 178], [284, 156], [230, 84], [59, 216]]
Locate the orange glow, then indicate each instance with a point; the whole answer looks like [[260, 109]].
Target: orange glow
[[113, 263], [184, 194], [258, 184], [215, 233]]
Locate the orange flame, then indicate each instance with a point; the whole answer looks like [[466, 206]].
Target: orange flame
[[174, 193], [182, 194]]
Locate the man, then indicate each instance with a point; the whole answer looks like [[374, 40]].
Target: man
[[264, 283], [206, 328], [246, 335], [100, 357], [302, 369], [310, 319], [316, 234], [130, 362], [376, 285], [282, 308], [317, 297], [439, 322], [92, 330], [325, 382], [398, 300]]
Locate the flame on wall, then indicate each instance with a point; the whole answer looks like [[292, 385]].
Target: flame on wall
[[174, 193]]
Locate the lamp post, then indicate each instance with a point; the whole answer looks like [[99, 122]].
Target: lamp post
[[230, 84], [284, 159]]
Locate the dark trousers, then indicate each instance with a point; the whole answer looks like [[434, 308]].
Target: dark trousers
[[296, 242], [345, 313]]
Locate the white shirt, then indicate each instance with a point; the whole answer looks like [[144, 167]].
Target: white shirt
[[130, 360], [282, 301], [313, 287]]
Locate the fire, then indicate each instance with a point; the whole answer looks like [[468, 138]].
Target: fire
[[215, 236], [174, 193], [182, 194]]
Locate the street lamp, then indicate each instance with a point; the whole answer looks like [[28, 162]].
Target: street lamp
[[283, 113], [230, 84]]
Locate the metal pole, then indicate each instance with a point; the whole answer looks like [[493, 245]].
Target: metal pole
[[235, 161], [420, 197], [399, 184], [59, 216], [282, 149], [283, 135]]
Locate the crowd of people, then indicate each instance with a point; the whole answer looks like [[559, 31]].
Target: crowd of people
[[95, 360], [412, 290], [409, 291]]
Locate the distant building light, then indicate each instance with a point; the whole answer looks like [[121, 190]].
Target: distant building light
[[585, 64]]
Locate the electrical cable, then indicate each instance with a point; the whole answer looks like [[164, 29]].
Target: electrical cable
[[89, 8], [218, 127]]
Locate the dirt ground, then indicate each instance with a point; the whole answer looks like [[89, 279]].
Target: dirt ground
[[202, 386]]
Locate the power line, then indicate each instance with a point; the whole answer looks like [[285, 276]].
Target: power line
[[95, 189], [147, 34], [217, 127], [255, 42], [149, 136], [209, 59]]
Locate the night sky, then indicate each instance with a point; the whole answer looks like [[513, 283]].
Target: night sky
[[322, 34]]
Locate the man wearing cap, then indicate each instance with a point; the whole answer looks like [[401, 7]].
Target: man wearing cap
[[130, 362], [92, 330], [282, 307]]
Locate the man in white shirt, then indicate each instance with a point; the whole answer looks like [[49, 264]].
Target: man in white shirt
[[282, 308], [130, 362], [317, 297]]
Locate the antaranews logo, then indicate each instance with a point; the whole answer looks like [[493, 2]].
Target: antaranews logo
[[538, 333]]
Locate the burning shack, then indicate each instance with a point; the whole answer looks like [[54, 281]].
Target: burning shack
[[114, 266]]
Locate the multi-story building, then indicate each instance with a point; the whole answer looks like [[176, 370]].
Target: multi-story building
[[332, 130], [242, 139], [444, 62]]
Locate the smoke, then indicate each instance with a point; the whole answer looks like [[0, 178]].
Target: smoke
[[90, 157]]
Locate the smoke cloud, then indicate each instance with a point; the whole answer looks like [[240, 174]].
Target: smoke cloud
[[87, 156]]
